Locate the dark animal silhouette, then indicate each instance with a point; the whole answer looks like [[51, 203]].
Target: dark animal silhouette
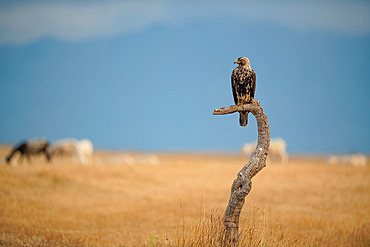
[[243, 83], [30, 148]]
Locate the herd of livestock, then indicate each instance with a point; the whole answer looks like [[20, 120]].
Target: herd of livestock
[[80, 150], [83, 151]]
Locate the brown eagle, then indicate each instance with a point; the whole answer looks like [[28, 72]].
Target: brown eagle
[[243, 83]]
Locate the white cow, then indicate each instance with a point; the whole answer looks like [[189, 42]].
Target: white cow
[[82, 149], [147, 159], [351, 159], [130, 159], [277, 149]]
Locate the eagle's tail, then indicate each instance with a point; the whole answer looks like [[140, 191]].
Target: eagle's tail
[[243, 118]]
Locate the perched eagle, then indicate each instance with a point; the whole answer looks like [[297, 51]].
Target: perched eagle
[[243, 83]]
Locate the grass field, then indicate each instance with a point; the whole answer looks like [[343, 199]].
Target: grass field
[[180, 202]]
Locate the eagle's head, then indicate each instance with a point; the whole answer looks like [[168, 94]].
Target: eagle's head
[[243, 61]]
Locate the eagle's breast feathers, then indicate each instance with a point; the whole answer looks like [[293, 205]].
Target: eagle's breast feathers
[[243, 84]]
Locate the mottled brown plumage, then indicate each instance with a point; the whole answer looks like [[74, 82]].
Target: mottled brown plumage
[[243, 83]]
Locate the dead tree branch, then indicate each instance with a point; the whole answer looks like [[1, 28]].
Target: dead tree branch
[[242, 184]]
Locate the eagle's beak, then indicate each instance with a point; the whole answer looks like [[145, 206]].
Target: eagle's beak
[[237, 61]]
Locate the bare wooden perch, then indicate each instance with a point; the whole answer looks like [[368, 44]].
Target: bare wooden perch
[[242, 184]]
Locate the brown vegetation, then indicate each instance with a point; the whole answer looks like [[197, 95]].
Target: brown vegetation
[[304, 203]]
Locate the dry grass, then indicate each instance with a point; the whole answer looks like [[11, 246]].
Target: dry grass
[[180, 202]]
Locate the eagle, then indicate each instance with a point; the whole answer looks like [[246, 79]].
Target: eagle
[[243, 84]]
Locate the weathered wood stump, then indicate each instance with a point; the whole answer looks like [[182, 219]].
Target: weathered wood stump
[[243, 184]]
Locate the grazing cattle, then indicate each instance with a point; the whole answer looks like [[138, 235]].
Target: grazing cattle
[[28, 148], [351, 159], [277, 149], [147, 159], [63, 148], [129, 159], [82, 149]]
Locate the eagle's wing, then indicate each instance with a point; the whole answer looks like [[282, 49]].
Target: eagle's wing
[[253, 78], [233, 87]]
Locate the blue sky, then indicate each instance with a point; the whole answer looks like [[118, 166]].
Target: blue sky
[[146, 75]]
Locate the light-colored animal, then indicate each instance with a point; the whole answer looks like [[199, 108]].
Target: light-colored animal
[[129, 159], [277, 149], [147, 159], [63, 148], [350, 159], [82, 149]]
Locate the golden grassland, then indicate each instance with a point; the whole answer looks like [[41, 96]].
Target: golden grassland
[[180, 202]]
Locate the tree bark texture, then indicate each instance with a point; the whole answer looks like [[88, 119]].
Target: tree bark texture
[[242, 184]]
